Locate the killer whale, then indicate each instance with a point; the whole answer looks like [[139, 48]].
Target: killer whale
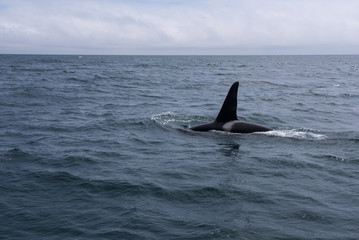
[[227, 117]]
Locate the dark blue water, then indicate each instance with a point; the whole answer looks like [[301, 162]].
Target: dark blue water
[[98, 147]]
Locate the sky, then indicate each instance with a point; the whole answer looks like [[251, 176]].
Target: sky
[[179, 27]]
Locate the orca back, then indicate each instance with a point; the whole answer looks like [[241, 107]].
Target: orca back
[[227, 117]]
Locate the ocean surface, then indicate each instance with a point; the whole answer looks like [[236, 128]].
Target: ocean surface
[[99, 147]]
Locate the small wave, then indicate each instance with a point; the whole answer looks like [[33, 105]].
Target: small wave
[[225, 74], [308, 134], [18, 155]]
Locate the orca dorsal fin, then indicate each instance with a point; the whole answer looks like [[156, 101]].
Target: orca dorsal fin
[[229, 108]]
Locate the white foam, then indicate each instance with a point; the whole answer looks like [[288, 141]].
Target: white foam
[[163, 118], [297, 134], [166, 118]]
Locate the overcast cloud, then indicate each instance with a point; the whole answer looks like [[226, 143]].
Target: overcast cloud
[[179, 27]]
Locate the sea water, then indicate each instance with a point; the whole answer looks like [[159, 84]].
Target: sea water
[[99, 147]]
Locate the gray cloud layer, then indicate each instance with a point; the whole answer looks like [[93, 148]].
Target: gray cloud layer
[[180, 27]]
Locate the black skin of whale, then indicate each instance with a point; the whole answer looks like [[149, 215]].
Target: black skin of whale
[[227, 117]]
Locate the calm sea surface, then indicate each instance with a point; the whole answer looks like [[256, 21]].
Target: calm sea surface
[[98, 147]]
